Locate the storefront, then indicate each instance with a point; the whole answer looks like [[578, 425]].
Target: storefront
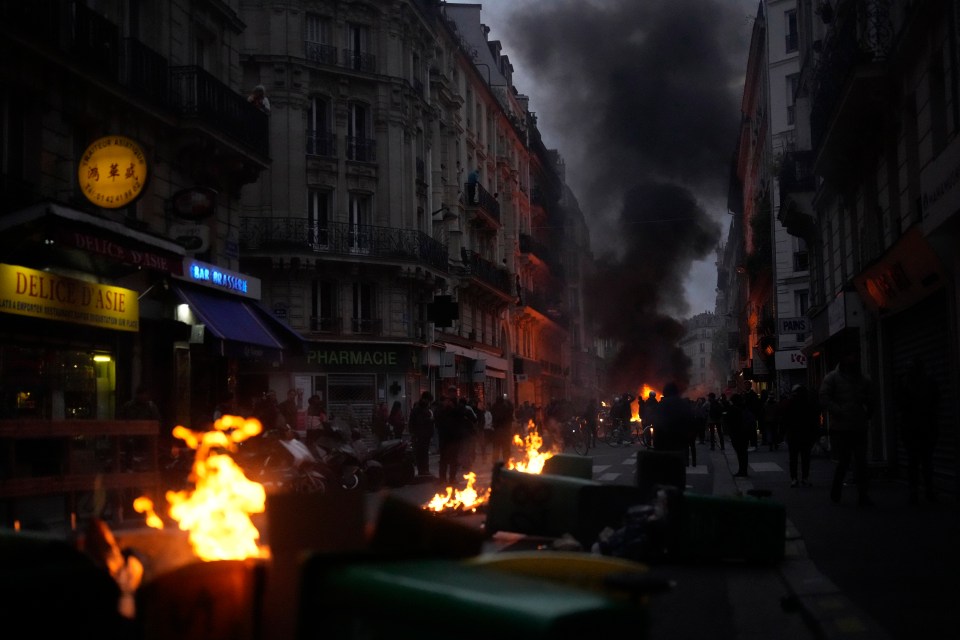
[[355, 377]]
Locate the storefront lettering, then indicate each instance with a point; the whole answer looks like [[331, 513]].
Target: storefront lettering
[[353, 357], [113, 250]]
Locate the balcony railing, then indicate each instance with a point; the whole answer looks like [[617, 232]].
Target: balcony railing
[[321, 144], [361, 149], [322, 53], [326, 325], [529, 245], [861, 34], [796, 172], [366, 326], [359, 61], [341, 238], [477, 196], [92, 42], [479, 267], [194, 93], [544, 305]]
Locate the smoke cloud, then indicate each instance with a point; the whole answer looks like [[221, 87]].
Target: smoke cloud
[[647, 96]]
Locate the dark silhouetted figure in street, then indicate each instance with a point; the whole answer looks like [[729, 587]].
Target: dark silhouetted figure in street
[[715, 421], [421, 431], [917, 404], [847, 397], [753, 404], [800, 416], [396, 422], [590, 422], [448, 420], [737, 423], [140, 407], [676, 423]]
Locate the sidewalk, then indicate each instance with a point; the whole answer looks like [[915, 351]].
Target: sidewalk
[[859, 572]]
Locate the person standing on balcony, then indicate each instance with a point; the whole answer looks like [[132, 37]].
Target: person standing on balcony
[[259, 99]]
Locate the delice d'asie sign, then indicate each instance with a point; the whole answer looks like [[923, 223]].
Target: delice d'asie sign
[[39, 294]]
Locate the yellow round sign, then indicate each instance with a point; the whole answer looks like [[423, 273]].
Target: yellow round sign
[[113, 172]]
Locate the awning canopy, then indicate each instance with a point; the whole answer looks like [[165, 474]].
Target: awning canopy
[[245, 329]]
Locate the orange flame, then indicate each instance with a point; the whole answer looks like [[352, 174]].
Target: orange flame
[[217, 512], [534, 459], [467, 500], [642, 394]]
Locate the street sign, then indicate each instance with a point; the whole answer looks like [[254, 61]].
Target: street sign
[[793, 325]]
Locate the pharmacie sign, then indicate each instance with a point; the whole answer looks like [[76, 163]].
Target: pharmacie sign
[[112, 172], [38, 294], [361, 357]]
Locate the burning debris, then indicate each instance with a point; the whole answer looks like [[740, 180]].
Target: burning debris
[[469, 500]]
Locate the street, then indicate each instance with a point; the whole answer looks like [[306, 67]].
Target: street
[[840, 578]]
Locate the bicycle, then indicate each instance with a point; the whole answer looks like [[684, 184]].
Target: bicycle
[[575, 435], [619, 434]]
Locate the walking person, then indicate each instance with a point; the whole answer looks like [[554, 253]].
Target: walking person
[[676, 423], [917, 409], [449, 436], [396, 421], [590, 422], [421, 432], [715, 421], [847, 396], [800, 417], [737, 424]]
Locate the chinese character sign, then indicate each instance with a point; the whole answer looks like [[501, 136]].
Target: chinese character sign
[[112, 172]]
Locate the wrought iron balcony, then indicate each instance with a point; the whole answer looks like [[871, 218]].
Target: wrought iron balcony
[[849, 77], [341, 238], [479, 267], [361, 149], [322, 53], [321, 324], [195, 93], [359, 61], [366, 326], [480, 199], [545, 305], [529, 245], [93, 43], [321, 144], [796, 172]]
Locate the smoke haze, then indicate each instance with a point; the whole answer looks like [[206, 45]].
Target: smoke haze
[[647, 96]]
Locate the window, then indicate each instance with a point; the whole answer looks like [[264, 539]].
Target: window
[[802, 301], [323, 307], [362, 320], [358, 232], [318, 218], [320, 140], [793, 83], [317, 40], [702, 348], [792, 37], [358, 44], [359, 145]]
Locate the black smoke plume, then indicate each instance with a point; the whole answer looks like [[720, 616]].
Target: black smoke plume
[[647, 95]]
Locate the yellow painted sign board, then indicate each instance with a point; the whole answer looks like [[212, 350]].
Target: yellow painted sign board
[[38, 294], [112, 172]]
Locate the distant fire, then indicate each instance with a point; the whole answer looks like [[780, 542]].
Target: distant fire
[[217, 512], [642, 394], [470, 499]]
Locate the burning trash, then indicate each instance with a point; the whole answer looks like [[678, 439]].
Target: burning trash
[[468, 500], [217, 512]]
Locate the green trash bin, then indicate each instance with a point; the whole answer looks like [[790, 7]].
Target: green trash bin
[[706, 527], [427, 599], [565, 464]]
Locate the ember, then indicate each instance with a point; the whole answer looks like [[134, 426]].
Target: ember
[[217, 512]]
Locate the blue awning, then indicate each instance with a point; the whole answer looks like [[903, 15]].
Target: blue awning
[[235, 321]]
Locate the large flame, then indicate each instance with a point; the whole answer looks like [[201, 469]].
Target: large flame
[[217, 512], [533, 459], [642, 394]]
